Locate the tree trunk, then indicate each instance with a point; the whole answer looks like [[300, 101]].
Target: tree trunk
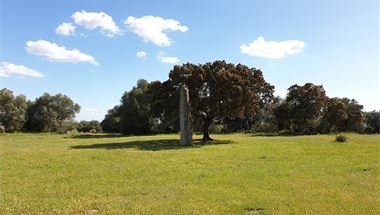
[[206, 134]]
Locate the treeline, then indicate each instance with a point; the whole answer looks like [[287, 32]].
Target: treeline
[[305, 110], [223, 98], [234, 98], [48, 113]]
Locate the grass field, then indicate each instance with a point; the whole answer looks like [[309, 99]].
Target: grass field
[[238, 174]]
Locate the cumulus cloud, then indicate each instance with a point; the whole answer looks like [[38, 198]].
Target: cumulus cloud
[[93, 20], [65, 29], [56, 53], [8, 69], [272, 49], [153, 29], [141, 54], [162, 57]]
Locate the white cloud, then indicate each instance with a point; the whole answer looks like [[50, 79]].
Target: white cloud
[[8, 69], [162, 57], [141, 54], [272, 49], [93, 20], [55, 53], [65, 29], [153, 29]]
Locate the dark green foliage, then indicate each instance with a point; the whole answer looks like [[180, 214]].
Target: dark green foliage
[[301, 111], [133, 115], [135, 106], [266, 120], [92, 126], [51, 114], [164, 107], [342, 115], [12, 111], [341, 138], [219, 91], [372, 121], [305, 106], [111, 122], [265, 127]]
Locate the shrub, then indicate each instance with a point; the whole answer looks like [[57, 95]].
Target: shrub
[[216, 128], [341, 138], [266, 127], [284, 132]]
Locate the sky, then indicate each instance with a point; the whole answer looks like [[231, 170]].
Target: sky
[[93, 50]]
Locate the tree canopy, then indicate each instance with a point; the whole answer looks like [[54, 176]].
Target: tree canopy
[[343, 114], [219, 91], [51, 113], [302, 108], [12, 110]]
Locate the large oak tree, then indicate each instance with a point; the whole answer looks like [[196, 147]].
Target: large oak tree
[[217, 91]]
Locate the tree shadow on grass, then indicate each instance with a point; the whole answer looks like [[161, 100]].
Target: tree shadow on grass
[[94, 136], [151, 145]]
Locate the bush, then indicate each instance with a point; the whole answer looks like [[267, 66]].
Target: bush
[[216, 128], [284, 132], [341, 138], [92, 126], [265, 127]]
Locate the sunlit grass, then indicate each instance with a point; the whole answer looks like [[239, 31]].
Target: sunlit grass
[[239, 174]]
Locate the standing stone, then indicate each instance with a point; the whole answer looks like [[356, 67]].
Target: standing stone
[[184, 116]]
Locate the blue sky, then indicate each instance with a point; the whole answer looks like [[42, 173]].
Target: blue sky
[[93, 57]]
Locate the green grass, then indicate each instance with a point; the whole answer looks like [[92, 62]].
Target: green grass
[[239, 174]]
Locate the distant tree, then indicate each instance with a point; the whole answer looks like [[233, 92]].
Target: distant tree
[[355, 114], [219, 91], [135, 108], [267, 120], [305, 105], [12, 111], [92, 126], [164, 109], [111, 122], [282, 116], [133, 115], [335, 115], [372, 121], [51, 113], [343, 114]]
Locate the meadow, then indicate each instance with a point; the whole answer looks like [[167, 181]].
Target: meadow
[[237, 174]]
